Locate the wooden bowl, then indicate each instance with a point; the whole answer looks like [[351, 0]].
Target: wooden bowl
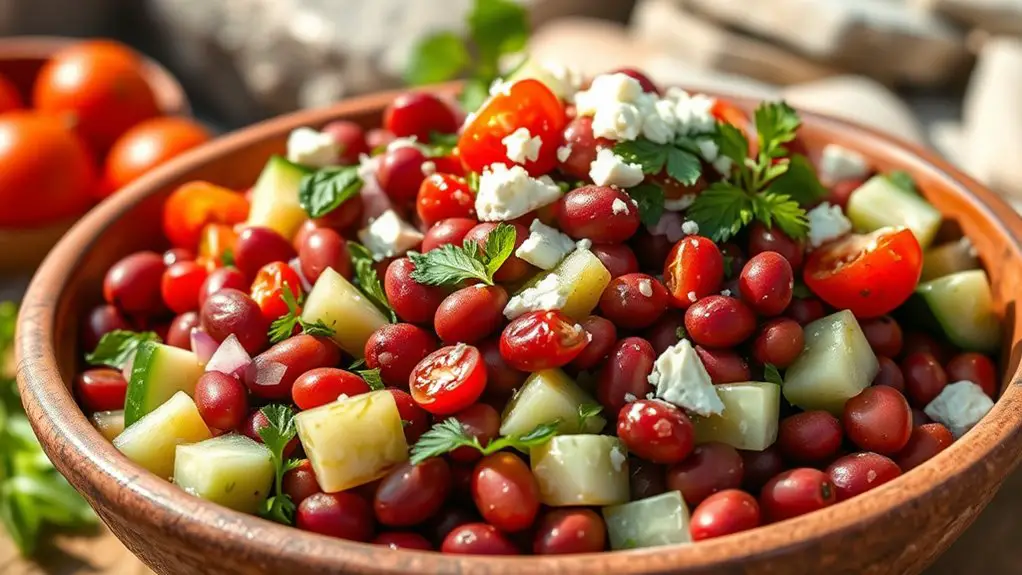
[[21, 57], [897, 528]]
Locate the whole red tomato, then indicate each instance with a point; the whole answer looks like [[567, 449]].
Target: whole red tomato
[[10, 97], [99, 86], [47, 172], [147, 145]]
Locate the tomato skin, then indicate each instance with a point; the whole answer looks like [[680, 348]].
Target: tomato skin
[[195, 204], [527, 103], [448, 380], [147, 145], [694, 269], [443, 196], [268, 288], [541, 340], [10, 97], [868, 274], [101, 86], [48, 173], [181, 285]]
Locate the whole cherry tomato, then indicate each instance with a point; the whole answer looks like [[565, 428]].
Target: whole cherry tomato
[[449, 379], [443, 196], [217, 240], [10, 97], [195, 204], [525, 104], [100, 86], [868, 274], [147, 145], [268, 288], [47, 172]]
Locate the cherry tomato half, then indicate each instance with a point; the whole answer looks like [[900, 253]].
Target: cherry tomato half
[[195, 204], [869, 274], [526, 104], [449, 379], [268, 288], [541, 340]]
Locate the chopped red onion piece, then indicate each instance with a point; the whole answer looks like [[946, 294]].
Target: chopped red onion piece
[[230, 358], [267, 373], [297, 266], [203, 345]]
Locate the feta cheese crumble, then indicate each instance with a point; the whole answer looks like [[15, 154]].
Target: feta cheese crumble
[[609, 169], [545, 247], [389, 235], [839, 163], [619, 207], [690, 228], [584, 244], [522, 146], [563, 153], [959, 406], [507, 193], [827, 222], [617, 459], [312, 148], [681, 379], [428, 168], [549, 293], [646, 287]]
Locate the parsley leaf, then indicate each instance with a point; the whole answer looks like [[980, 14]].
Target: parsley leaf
[[721, 211], [680, 332], [497, 27], [685, 167], [116, 348], [450, 265], [284, 326], [278, 432], [437, 58], [776, 125], [371, 377], [903, 180], [368, 280], [587, 411], [323, 191], [780, 210], [799, 182], [440, 144], [772, 375], [450, 434], [650, 198], [227, 258], [650, 155]]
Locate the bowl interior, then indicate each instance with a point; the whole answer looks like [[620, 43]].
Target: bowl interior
[[71, 279]]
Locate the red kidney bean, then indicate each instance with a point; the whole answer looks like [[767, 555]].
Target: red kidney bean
[[625, 374], [655, 431], [583, 146], [619, 259], [133, 284], [889, 374], [256, 247], [926, 441], [514, 268], [400, 173], [766, 283], [600, 213], [711, 467], [602, 336], [342, 219], [298, 354], [418, 419], [562, 531], [762, 239], [300, 482], [857, 473], [219, 279], [179, 334], [541, 340], [418, 114], [102, 320], [411, 494], [403, 540], [322, 249], [342, 515], [919, 417], [779, 342], [324, 385], [724, 365], [449, 231], [723, 513], [646, 478], [760, 467], [229, 311], [180, 286], [477, 539], [693, 270], [652, 251], [450, 517], [412, 301], [809, 437], [719, 321], [878, 419], [350, 137], [883, 334], [666, 332], [795, 493], [101, 389], [470, 314], [221, 399], [501, 379], [505, 492], [634, 301], [395, 349], [919, 342], [974, 367], [924, 377], [805, 310]]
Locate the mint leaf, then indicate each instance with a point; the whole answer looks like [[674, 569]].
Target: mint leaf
[[117, 347], [323, 191], [650, 198], [721, 211], [448, 265], [772, 375], [368, 280], [683, 166], [500, 244], [437, 58], [799, 182]]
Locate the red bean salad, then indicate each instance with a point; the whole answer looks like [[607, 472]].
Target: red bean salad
[[586, 317]]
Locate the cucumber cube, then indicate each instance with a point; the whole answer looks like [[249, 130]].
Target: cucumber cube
[[879, 203], [548, 395], [232, 470], [275, 198], [152, 441], [659, 520], [342, 307], [157, 373], [749, 420], [574, 470]]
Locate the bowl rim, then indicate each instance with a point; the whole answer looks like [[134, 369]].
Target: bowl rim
[[56, 417], [170, 95]]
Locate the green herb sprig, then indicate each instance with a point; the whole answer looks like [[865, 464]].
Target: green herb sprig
[[323, 191], [368, 280], [284, 326], [116, 348], [450, 434], [278, 432], [450, 265]]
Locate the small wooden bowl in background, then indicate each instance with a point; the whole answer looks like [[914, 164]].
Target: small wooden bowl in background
[[21, 57], [897, 529]]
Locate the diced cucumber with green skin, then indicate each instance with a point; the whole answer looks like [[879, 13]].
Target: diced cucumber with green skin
[[548, 395], [585, 278], [962, 305], [342, 307], [659, 520], [275, 198], [353, 441], [576, 470], [879, 203], [836, 364], [949, 258], [158, 372], [749, 421], [110, 424], [231, 470], [152, 441]]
